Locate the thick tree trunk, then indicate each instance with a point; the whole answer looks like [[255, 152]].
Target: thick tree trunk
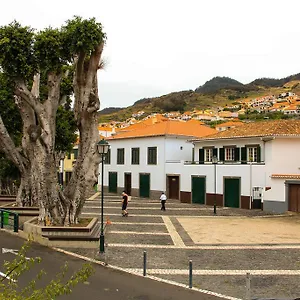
[[25, 195], [37, 161]]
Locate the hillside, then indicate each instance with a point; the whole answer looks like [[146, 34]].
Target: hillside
[[219, 91], [218, 83]]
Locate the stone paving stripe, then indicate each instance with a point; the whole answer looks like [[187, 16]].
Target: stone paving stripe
[[146, 208], [216, 272], [137, 215], [94, 196], [261, 247], [173, 233], [136, 223], [140, 233], [148, 276]]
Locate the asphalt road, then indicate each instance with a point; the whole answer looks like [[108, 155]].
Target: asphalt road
[[105, 283]]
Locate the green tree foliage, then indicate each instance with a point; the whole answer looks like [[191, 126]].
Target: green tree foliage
[[20, 266]]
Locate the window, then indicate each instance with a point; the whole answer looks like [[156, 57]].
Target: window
[[152, 155], [252, 154], [229, 154], [69, 155], [75, 151], [120, 156], [107, 157], [135, 156], [208, 154]]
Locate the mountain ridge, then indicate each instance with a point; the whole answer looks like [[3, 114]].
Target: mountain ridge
[[213, 93]]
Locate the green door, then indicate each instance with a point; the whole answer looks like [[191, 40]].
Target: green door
[[145, 185], [113, 182], [198, 190], [232, 192]]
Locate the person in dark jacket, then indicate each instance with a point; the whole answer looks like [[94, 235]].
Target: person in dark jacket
[[124, 204]]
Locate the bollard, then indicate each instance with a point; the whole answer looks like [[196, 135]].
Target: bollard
[[1, 217], [16, 223], [190, 274], [145, 263], [248, 286]]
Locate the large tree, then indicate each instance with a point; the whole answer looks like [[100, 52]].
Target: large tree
[[40, 65]]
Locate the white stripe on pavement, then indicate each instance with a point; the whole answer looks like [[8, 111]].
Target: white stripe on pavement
[[211, 247], [139, 233], [136, 223], [173, 232], [217, 272], [147, 208], [7, 277], [157, 216]]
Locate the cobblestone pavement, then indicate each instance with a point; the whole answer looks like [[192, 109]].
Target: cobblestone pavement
[[219, 268]]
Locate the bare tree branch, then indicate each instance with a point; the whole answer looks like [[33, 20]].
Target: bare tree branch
[[8, 147]]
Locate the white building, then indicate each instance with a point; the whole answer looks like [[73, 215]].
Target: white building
[[257, 165], [138, 158], [257, 162]]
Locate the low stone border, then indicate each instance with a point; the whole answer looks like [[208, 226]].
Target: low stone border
[[31, 227], [71, 237]]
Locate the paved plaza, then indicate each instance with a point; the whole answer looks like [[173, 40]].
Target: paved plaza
[[223, 248]]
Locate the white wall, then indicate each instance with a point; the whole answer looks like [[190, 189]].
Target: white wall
[[177, 148], [168, 148], [243, 171], [282, 157]]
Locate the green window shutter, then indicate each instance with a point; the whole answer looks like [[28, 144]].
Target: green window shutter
[[135, 156], [244, 155], [152, 155], [120, 156], [193, 154], [215, 152], [201, 156], [107, 157], [221, 154], [258, 154], [237, 154], [75, 151]]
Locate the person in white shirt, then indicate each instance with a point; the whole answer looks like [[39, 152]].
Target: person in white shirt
[[163, 199]]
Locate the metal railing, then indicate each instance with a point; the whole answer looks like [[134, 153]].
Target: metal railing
[[9, 219]]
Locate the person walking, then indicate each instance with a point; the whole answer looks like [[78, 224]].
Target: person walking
[[124, 204], [163, 199]]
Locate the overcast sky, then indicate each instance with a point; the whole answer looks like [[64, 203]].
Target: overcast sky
[[158, 46]]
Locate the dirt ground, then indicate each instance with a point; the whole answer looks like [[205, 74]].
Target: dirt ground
[[243, 230]]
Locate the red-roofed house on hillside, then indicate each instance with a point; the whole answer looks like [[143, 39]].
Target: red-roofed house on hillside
[[228, 125]]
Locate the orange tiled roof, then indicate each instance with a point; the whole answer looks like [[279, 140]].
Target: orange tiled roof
[[260, 129], [178, 128], [132, 127], [193, 121], [228, 124], [286, 176], [104, 128]]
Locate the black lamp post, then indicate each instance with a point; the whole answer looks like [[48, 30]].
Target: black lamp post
[[102, 147], [215, 161]]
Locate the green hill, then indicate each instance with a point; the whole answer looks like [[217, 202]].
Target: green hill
[[219, 91]]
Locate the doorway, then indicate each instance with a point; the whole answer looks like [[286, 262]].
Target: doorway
[[173, 187], [127, 183]]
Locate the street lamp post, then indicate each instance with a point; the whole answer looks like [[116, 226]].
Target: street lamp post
[[102, 147], [215, 161]]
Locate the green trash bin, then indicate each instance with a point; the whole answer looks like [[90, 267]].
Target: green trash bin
[[5, 218]]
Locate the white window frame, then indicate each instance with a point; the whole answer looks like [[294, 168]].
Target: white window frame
[[229, 153], [208, 154], [252, 153]]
